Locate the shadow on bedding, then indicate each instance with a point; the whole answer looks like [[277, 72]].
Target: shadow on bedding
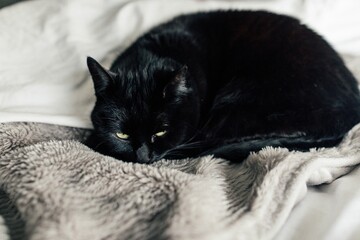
[[12, 221]]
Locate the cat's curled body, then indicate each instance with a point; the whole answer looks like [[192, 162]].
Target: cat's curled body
[[223, 83]]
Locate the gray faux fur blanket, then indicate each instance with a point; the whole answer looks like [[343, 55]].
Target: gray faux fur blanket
[[54, 187]]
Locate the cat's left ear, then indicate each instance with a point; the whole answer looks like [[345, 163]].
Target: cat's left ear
[[179, 83], [102, 78]]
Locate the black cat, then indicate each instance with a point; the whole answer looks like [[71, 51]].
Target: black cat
[[224, 83]]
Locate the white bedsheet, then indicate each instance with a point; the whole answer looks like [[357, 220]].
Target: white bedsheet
[[44, 44], [43, 76]]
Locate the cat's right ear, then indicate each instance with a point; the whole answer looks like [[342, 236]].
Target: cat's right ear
[[101, 77]]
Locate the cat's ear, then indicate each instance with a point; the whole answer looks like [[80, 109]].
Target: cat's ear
[[101, 77], [178, 83]]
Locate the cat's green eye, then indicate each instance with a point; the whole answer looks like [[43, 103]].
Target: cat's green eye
[[122, 136], [160, 134]]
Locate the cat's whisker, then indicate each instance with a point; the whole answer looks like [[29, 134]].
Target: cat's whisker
[[179, 150], [99, 144], [109, 118]]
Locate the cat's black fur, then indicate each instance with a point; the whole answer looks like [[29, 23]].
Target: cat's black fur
[[223, 83]]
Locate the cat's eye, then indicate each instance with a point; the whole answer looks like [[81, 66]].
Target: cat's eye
[[160, 134], [122, 136]]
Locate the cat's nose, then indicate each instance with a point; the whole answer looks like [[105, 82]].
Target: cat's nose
[[143, 154]]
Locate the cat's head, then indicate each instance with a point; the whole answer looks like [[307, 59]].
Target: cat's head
[[143, 110]]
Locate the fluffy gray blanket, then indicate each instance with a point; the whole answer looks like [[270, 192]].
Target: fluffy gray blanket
[[54, 187]]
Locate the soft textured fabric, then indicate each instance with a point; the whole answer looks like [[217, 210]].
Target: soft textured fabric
[[63, 190]]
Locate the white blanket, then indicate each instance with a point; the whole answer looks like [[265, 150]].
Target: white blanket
[[44, 44], [64, 191], [43, 76]]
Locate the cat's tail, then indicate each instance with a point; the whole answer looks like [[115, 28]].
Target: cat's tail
[[239, 149]]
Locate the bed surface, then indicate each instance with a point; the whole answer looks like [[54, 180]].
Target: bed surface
[[43, 54], [43, 79], [54, 187]]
